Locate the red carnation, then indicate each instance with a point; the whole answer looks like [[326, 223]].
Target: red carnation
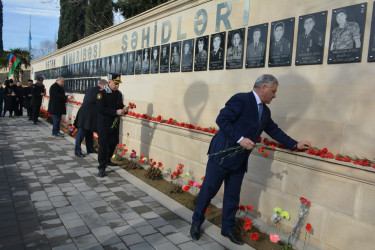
[[249, 208], [254, 236], [308, 227]]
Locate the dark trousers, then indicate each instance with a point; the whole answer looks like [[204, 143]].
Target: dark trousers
[[1, 107], [56, 124], [105, 153], [36, 109], [215, 176], [89, 138], [19, 109], [30, 112]]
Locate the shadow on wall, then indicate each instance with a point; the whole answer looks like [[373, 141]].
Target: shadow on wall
[[195, 100], [147, 133], [294, 97]]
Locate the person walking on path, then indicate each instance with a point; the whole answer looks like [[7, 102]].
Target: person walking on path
[[19, 99], [56, 105], [110, 106], [241, 122], [1, 97], [86, 120], [38, 91], [10, 93]]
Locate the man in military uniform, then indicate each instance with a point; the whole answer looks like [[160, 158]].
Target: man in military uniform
[[110, 106], [311, 40], [164, 57], [201, 57], [187, 57], [86, 120], [234, 52], [217, 52], [146, 63], [138, 63], [38, 91], [175, 59], [255, 50], [347, 35], [280, 46], [155, 61]]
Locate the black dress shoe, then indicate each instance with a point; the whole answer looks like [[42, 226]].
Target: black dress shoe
[[80, 155], [111, 164], [92, 151], [101, 173], [195, 232], [233, 238]]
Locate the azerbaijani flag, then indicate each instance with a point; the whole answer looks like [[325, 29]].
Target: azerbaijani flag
[[13, 62]]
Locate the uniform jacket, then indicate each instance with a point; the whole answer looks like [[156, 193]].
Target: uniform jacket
[[36, 91], [87, 113], [280, 48], [57, 101], [255, 51], [240, 118], [107, 106]]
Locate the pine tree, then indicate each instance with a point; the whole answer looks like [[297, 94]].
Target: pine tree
[[99, 15], [129, 8], [72, 21]]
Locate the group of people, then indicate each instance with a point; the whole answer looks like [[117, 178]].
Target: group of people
[[99, 112], [13, 98]]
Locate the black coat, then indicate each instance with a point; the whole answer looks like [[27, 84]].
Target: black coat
[[37, 97], [20, 92], [87, 114], [56, 105], [27, 98], [10, 101], [108, 104]]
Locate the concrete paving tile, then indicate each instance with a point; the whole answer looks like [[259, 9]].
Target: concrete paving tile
[[166, 246], [212, 246], [145, 230], [70, 246], [155, 239], [177, 238], [132, 239], [168, 229], [82, 242], [189, 245], [157, 222], [56, 231], [124, 230], [138, 222], [141, 246], [78, 231]]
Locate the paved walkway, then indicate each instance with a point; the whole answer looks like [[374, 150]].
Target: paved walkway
[[50, 199]]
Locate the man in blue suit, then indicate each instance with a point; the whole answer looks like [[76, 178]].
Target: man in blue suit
[[242, 120]]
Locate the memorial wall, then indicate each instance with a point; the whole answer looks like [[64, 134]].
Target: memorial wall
[[184, 59]]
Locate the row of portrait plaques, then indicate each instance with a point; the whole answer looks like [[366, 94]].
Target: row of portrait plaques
[[80, 85], [202, 53]]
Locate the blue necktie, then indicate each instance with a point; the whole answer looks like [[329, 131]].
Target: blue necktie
[[260, 110]]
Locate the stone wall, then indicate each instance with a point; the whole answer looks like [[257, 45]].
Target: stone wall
[[328, 104]]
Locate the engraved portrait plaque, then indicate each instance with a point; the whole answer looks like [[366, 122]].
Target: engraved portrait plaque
[[235, 47], [187, 55], [217, 51], [281, 43], [164, 58], [201, 55], [155, 60]]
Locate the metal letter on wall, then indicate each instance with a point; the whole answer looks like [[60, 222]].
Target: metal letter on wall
[[311, 37], [281, 43], [217, 51], [347, 28], [371, 47], [256, 46], [235, 49], [187, 55], [223, 17], [155, 60], [163, 33], [134, 41], [164, 58], [146, 37], [175, 57], [179, 35], [198, 22]]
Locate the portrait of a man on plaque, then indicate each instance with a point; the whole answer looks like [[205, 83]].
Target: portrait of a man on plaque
[[187, 55], [371, 47], [164, 58], [131, 56], [311, 36], [138, 62], [155, 60], [256, 46], [217, 51], [235, 49], [281, 43], [201, 55], [98, 67], [118, 64], [124, 64], [146, 61], [104, 66], [109, 64], [347, 27], [175, 57]]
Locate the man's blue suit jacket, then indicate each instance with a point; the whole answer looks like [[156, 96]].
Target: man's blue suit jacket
[[240, 118]]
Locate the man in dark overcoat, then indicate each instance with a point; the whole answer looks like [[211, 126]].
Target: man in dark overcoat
[[241, 122], [38, 91], [110, 107], [56, 104], [10, 94], [19, 99], [27, 97], [86, 120]]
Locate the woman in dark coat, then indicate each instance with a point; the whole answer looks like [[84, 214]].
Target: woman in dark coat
[[9, 97]]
